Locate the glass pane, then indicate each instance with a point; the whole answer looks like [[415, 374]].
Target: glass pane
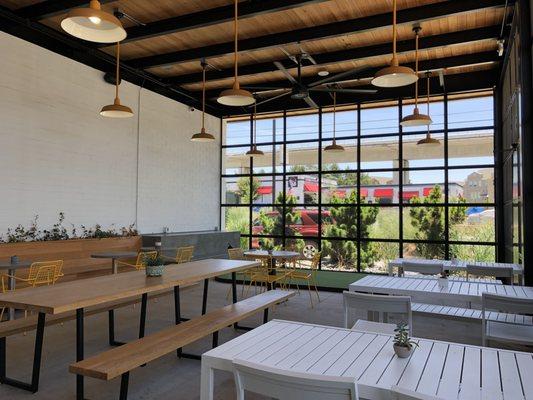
[[339, 255], [473, 252], [345, 124], [339, 187], [333, 161], [472, 224], [471, 148], [379, 153], [426, 187], [436, 112], [302, 157], [424, 223], [477, 185], [380, 222], [265, 189], [467, 113], [379, 187], [236, 219], [340, 221], [263, 164], [423, 156], [235, 161], [375, 256], [424, 250], [237, 132], [301, 221], [380, 120], [302, 127], [236, 190], [303, 189], [269, 130]]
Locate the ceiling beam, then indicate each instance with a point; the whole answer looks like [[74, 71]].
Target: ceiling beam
[[50, 8], [358, 53], [213, 16], [410, 15]]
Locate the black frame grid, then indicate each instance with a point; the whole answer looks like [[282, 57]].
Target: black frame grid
[[400, 169]]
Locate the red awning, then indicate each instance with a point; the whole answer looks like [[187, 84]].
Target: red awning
[[364, 192], [427, 191], [264, 190], [384, 192], [410, 194], [311, 187], [340, 193]]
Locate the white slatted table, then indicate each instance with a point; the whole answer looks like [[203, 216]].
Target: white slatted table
[[449, 370], [429, 290]]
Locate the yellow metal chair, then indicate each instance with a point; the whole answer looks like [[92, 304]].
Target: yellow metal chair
[[183, 255], [140, 262], [4, 290], [238, 254], [267, 276], [41, 273], [307, 275]]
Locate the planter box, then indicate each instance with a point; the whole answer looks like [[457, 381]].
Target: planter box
[[76, 253]]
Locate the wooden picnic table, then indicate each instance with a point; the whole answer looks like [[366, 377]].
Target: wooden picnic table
[[447, 370], [79, 294], [11, 281]]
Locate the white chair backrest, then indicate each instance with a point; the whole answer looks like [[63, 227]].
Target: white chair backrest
[[506, 304], [399, 393], [496, 272], [423, 267], [373, 304], [289, 385]]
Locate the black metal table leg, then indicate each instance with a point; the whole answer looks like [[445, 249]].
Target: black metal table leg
[[36, 370], [142, 322], [124, 381], [79, 352], [177, 312], [204, 299], [112, 341], [265, 316], [234, 286]]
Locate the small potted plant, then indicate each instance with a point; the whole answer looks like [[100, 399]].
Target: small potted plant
[[154, 265], [403, 344]]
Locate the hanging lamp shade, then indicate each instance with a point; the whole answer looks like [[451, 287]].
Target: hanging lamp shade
[[334, 147], [394, 75], [93, 24], [203, 136], [254, 152], [116, 110], [236, 97]]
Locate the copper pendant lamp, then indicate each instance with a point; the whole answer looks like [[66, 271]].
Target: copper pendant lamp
[[203, 136], [254, 151], [116, 110], [428, 140], [93, 24], [394, 75], [334, 147], [416, 119], [236, 97]]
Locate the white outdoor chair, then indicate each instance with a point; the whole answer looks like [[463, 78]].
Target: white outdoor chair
[[421, 267], [496, 272], [399, 393], [506, 330], [378, 308], [289, 385]]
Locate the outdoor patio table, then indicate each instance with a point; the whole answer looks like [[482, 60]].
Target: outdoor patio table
[[12, 282], [79, 294], [447, 370], [274, 256], [114, 256]]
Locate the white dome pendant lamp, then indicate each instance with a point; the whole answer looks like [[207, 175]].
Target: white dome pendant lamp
[[428, 140], [394, 75], [334, 147], [254, 151], [116, 110], [93, 24], [203, 136], [416, 119], [236, 97]]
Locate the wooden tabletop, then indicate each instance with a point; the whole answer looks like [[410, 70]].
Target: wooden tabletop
[[274, 254], [115, 254], [447, 370], [68, 296]]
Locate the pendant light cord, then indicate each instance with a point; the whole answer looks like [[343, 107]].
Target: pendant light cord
[[334, 114], [255, 126], [416, 68], [394, 33], [203, 96], [428, 75], [235, 34], [117, 77]]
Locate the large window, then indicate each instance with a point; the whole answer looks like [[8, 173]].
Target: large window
[[385, 196]]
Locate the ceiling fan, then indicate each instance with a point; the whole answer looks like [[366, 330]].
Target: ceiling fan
[[300, 91]]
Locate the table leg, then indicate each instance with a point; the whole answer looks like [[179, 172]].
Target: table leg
[[114, 266], [204, 299], [142, 322], [177, 312], [79, 352], [11, 284], [206, 382]]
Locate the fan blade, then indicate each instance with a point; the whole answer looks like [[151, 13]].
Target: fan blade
[[340, 90], [266, 88], [310, 102], [337, 77], [285, 72], [270, 99]]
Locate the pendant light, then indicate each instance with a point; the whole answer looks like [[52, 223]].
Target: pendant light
[[428, 140], [254, 151], [93, 24], [416, 119], [116, 110], [236, 96], [394, 75], [334, 147], [203, 136]]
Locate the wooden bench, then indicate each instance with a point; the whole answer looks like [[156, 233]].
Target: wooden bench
[[121, 360]]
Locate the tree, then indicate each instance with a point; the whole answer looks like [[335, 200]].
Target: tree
[[243, 189], [429, 222]]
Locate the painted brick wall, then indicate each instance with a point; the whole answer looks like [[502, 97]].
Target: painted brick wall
[[58, 154]]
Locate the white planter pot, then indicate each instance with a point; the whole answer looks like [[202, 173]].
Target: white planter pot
[[402, 351]]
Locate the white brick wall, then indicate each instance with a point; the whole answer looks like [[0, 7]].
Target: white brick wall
[[58, 154]]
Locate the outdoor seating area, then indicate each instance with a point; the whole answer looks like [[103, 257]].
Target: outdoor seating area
[[246, 200]]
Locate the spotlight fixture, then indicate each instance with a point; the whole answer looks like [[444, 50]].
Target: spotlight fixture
[[203, 136], [334, 147], [93, 24], [116, 110], [254, 151], [394, 75], [236, 96]]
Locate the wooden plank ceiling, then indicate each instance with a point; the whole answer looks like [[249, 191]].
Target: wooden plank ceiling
[[458, 38]]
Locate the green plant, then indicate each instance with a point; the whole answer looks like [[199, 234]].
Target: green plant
[[246, 193], [401, 338], [151, 261]]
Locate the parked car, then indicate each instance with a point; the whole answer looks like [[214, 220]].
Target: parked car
[[306, 226]]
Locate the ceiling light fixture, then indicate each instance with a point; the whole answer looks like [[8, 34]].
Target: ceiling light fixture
[[428, 140], [394, 75], [236, 96], [93, 24], [416, 119], [116, 110], [203, 136], [334, 147], [254, 151]]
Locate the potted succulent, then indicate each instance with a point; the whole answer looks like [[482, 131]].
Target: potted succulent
[[403, 344], [154, 265]]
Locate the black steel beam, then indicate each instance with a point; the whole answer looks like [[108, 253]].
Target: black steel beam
[[410, 15], [50, 8], [358, 53], [213, 16]]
